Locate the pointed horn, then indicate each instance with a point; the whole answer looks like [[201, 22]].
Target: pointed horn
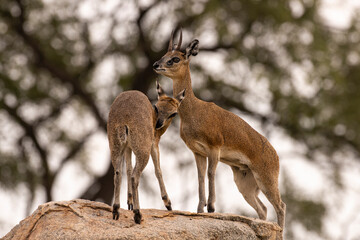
[[180, 40], [170, 48]]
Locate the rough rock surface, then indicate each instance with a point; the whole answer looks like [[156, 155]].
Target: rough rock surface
[[82, 219]]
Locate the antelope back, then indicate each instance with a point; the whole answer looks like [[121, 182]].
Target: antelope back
[[133, 110]]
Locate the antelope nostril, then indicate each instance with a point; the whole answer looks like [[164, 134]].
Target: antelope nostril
[[156, 65]]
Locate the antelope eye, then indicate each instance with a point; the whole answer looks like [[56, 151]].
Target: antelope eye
[[172, 115], [176, 59]]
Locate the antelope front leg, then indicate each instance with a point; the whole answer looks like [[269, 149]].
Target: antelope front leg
[[201, 167], [213, 161], [155, 155]]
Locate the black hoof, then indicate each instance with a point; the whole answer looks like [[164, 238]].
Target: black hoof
[[169, 207], [137, 216], [115, 216], [210, 209], [130, 207], [115, 211]]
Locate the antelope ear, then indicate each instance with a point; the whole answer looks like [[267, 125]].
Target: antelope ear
[[192, 49], [159, 89], [181, 96]]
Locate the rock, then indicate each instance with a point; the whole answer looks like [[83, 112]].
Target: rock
[[83, 219]]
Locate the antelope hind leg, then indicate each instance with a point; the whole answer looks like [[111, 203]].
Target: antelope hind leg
[[248, 187]]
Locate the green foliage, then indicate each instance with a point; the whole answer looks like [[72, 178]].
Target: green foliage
[[10, 172]]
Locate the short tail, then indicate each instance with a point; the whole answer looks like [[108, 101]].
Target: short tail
[[123, 134]]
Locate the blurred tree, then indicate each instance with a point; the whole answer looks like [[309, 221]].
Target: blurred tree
[[302, 74]]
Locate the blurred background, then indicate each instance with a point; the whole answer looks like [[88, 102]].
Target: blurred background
[[289, 68]]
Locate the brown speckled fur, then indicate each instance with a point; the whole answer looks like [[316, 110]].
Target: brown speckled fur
[[219, 135], [131, 128]]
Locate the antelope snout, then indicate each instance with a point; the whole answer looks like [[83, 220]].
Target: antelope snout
[[159, 124], [156, 65]]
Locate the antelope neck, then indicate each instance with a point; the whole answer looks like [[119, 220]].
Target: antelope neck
[[183, 82], [180, 83]]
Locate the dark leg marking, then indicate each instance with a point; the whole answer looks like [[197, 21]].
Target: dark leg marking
[[130, 205], [210, 209], [116, 211], [165, 199], [137, 216]]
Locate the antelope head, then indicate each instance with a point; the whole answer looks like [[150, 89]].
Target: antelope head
[[166, 108], [175, 61]]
